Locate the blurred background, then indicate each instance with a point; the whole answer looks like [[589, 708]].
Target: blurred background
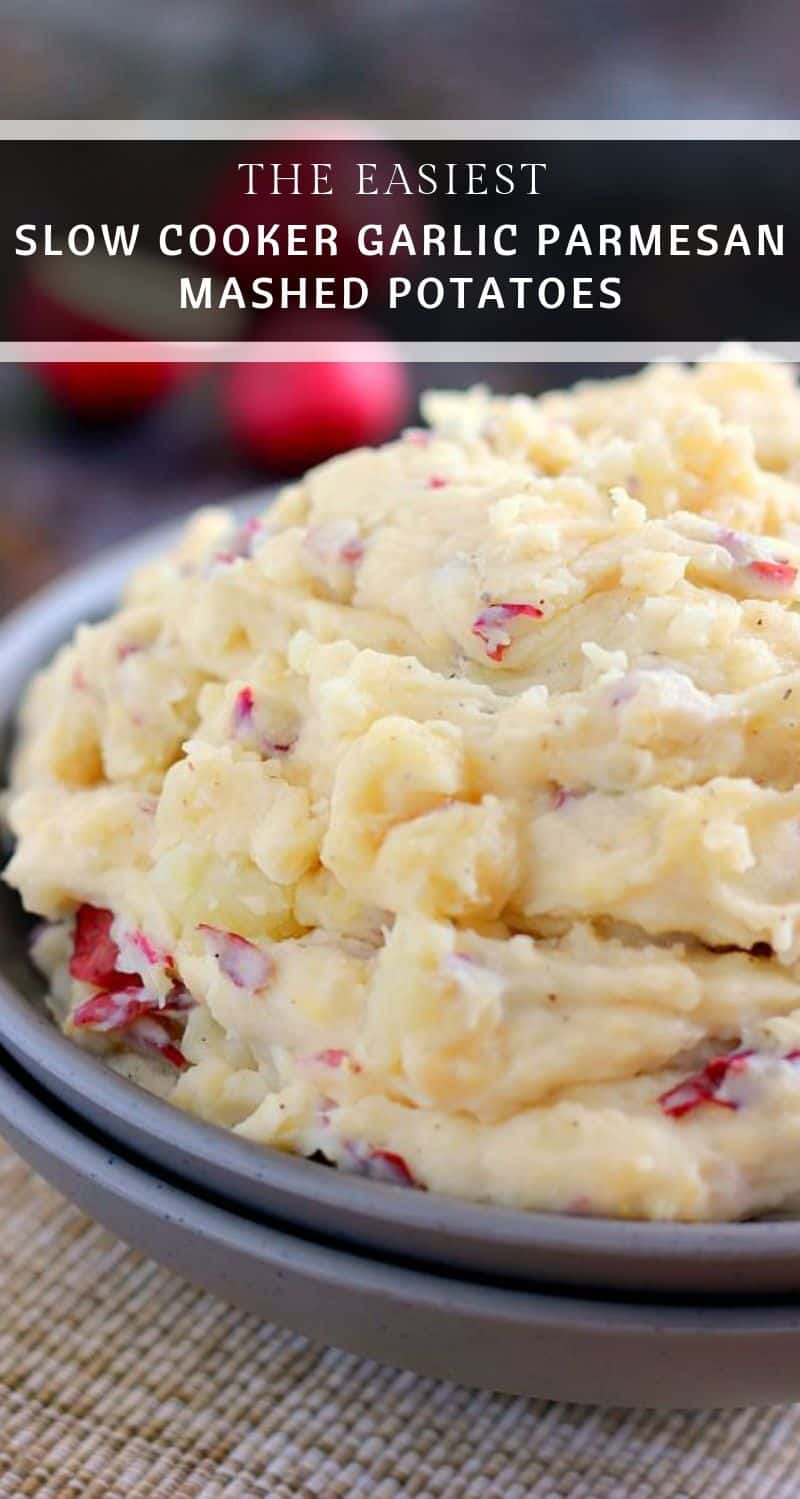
[[80, 466]]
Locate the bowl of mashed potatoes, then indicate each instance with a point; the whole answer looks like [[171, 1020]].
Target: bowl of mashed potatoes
[[440, 821]]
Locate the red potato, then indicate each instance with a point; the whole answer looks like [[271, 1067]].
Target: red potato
[[97, 391], [132, 300], [287, 417]]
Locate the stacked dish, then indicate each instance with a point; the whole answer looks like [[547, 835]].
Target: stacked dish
[[566, 1307]]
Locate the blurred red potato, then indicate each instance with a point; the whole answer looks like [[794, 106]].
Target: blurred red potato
[[341, 208], [104, 300], [287, 417], [96, 390]]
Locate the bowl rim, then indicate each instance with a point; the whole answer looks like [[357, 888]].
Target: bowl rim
[[28, 636], [41, 1119]]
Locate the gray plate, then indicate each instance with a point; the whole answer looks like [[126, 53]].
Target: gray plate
[[494, 1337], [723, 1260]]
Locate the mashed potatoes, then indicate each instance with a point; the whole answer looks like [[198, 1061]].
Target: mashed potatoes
[[445, 820]]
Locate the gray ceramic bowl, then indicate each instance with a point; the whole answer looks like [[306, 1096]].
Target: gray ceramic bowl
[[592, 1350], [722, 1260]]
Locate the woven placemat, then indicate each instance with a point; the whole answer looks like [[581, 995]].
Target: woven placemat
[[116, 1378]]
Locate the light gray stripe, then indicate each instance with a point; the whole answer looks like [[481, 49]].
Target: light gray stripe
[[556, 352], [477, 130]]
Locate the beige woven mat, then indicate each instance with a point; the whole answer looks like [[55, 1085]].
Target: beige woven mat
[[118, 1379]]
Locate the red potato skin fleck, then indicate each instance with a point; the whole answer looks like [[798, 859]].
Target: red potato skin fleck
[[116, 1009], [336, 1056], [151, 1034], [562, 796], [241, 547], [128, 648], [377, 1164], [110, 1010], [173, 1054], [395, 1167], [244, 724], [246, 965], [703, 1087], [145, 1026], [243, 708], [782, 574], [491, 623], [352, 552], [119, 1007], [323, 541], [150, 952], [95, 953]]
